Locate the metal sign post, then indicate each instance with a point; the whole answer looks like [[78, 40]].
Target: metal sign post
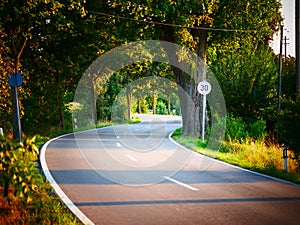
[[15, 80], [204, 88]]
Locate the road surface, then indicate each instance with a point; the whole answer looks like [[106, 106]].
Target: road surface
[[134, 174]]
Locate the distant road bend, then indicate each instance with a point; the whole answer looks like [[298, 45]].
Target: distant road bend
[[134, 174]]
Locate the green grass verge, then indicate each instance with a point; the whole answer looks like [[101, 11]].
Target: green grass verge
[[252, 155]]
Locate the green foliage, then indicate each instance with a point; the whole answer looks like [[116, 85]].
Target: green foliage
[[236, 128], [61, 38], [144, 106], [289, 77], [289, 125], [17, 169], [161, 108], [5, 90], [259, 18], [248, 77], [28, 198], [257, 130]]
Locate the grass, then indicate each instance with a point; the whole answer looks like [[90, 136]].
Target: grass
[[249, 154], [44, 209]]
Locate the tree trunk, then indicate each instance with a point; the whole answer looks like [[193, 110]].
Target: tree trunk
[[139, 106], [169, 104], [60, 102], [201, 37], [93, 99], [61, 116], [128, 96], [154, 101], [190, 99]]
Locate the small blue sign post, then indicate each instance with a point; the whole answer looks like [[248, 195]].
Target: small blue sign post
[[15, 80]]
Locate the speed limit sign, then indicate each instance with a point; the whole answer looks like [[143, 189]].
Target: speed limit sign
[[204, 88]]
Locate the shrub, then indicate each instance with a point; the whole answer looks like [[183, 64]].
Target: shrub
[[161, 108], [288, 127], [17, 168], [257, 130], [144, 106], [236, 128]]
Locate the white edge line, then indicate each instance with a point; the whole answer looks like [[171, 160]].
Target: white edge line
[[74, 209], [233, 166], [118, 144], [131, 157], [182, 184]]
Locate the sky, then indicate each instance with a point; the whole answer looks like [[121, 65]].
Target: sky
[[288, 13]]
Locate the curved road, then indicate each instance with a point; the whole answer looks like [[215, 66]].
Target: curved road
[[134, 174]]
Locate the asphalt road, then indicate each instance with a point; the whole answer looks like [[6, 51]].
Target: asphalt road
[[134, 174]]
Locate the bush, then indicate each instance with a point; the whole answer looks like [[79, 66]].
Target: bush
[[25, 198], [17, 168], [236, 128], [257, 130], [289, 126], [161, 108], [144, 106]]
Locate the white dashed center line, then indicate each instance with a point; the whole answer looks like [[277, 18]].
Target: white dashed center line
[[182, 184], [118, 144]]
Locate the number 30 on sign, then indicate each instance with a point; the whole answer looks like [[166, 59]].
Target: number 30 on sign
[[204, 88]]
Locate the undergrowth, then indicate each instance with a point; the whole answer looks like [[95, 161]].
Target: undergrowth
[[25, 196], [249, 154]]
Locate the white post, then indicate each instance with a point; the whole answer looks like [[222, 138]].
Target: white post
[[203, 117], [285, 158], [75, 123], [204, 88]]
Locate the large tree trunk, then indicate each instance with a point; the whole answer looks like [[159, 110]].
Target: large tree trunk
[[169, 103], [154, 101], [93, 98], [190, 99], [201, 37], [129, 97], [60, 98], [139, 106]]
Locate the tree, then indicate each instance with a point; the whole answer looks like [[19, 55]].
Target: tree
[[187, 23], [249, 80], [297, 29], [5, 95], [54, 36]]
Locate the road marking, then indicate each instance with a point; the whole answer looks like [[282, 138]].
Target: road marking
[[77, 212], [118, 144], [131, 157], [182, 184], [118, 137]]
